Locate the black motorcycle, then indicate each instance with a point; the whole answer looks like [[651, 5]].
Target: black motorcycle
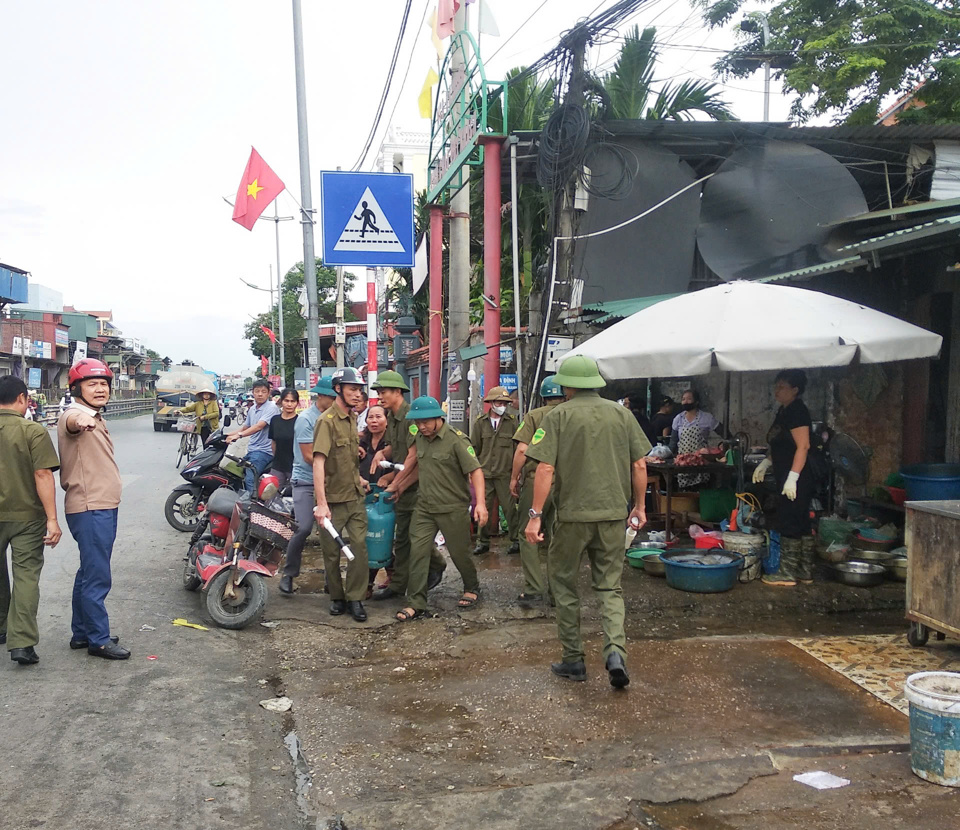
[[185, 506]]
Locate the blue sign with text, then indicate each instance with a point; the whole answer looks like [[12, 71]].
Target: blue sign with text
[[367, 219]]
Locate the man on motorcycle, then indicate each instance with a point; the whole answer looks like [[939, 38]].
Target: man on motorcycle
[[258, 420], [91, 479], [340, 493], [302, 479]]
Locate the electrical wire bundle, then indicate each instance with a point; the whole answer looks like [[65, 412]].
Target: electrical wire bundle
[[563, 143]]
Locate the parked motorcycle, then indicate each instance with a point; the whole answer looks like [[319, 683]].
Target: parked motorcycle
[[247, 539], [206, 471]]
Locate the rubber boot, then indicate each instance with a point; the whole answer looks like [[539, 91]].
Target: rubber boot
[[805, 562], [789, 559]]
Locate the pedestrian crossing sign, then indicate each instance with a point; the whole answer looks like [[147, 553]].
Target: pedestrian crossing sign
[[367, 219]]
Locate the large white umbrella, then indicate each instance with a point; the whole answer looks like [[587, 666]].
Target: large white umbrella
[[749, 326]]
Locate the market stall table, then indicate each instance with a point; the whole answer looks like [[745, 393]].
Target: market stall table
[[670, 469], [933, 569]]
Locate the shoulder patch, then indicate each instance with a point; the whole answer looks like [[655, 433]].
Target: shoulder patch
[[520, 425], [538, 436], [459, 433], [330, 414], [413, 429], [471, 451]]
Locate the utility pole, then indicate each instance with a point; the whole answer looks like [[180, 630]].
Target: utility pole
[[283, 348], [273, 322], [766, 67], [458, 389], [341, 327], [306, 199]]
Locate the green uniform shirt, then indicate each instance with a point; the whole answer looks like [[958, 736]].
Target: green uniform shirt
[[335, 436], [494, 446], [525, 432], [444, 463], [25, 447], [591, 443], [400, 439]]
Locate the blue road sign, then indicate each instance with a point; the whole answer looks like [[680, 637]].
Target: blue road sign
[[367, 219]]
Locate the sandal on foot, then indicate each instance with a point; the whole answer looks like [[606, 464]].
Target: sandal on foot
[[468, 602], [408, 614]]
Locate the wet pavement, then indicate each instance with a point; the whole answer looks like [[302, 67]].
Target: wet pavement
[[456, 720]]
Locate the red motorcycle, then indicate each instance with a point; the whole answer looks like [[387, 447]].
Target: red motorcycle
[[245, 542]]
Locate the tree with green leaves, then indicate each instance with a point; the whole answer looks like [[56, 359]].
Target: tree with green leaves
[[294, 321], [631, 92], [848, 58]]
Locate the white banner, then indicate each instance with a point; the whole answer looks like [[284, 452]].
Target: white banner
[[420, 269], [80, 353]]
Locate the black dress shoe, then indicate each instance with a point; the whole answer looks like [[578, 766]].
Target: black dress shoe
[[434, 578], [286, 584], [384, 593], [618, 671], [337, 607], [24, 656], [514, 548], [357, 611], [3, 638], [78, 644], [111, 651], [572, 671], [481, 547]]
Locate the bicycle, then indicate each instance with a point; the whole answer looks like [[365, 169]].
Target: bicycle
[[189, 440]]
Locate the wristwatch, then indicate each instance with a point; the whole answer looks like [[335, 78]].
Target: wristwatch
[[535, 514]]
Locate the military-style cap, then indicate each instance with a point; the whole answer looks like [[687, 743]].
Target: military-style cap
[[425, 407], [347, 375], [324, 387], [390, 380], [550, 388], [579, 372], [498, 393]]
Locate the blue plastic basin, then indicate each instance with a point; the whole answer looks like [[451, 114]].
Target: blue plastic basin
[[932, 482], [700, 578]]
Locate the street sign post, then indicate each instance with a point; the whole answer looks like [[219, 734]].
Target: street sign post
[[367, 219]]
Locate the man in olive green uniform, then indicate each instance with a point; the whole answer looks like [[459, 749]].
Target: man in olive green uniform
[[399, 439], [28, 518], [492, 438], [521, 485], [593, 453], [339, 492], [441, 461]]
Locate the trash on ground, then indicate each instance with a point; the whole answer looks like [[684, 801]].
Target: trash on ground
[[277, 704], [821, 780], [147, 628], [400, 668], [182, 622], [152, 657], [271, 624]]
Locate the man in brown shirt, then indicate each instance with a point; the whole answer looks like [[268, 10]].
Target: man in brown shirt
[[28, 518], [339, 492], [91, 479]]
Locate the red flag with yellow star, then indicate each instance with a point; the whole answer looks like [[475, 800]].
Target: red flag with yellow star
[[258, 188]]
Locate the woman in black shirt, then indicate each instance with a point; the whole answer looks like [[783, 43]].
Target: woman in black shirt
[[372, 440], [281, 435], [789, 440]]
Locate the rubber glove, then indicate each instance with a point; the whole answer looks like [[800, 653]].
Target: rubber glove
[[761, 472], [790, 485]]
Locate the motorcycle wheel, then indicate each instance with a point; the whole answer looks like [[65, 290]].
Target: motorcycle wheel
[[180, 510], [191, 581], [242, 610]]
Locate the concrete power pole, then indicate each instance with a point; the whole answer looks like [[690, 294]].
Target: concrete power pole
[[458, 391], [306, 199]]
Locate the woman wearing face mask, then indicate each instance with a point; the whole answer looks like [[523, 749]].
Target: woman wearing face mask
[[691, 431]]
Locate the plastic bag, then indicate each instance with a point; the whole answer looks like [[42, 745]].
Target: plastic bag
[[696, 532]]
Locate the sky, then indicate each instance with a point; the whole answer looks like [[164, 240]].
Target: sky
[[126, 124]]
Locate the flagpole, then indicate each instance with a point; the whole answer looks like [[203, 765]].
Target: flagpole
[[283, 347], [273, 322], [306, 210]]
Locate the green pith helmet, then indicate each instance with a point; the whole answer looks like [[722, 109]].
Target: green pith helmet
[[425, 407], [324, 387], [390, 380], [550, 388], [579, 372]]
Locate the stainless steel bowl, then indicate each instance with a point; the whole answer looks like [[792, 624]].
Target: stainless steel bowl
[[859, 574], [878, 556], [658, 546], [896, 568], [653, 564], [872, 544]]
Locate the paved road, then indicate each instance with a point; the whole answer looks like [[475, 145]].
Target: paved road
[[173, 742]]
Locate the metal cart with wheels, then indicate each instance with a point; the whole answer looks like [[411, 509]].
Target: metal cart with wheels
[[933, 570]]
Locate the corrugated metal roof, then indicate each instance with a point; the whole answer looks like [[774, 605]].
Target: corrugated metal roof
[[846, 264], [619, 309], [936, 227], [904, 210]]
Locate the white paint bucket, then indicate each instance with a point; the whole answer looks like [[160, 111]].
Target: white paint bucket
[[934, 698]]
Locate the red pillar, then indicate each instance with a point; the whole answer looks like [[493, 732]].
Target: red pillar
[[435, 328], [492, 249]]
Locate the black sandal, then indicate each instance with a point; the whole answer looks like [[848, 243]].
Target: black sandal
[[466, 602], [403, 616]]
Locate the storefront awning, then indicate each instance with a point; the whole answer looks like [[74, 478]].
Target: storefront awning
[[619, 309]]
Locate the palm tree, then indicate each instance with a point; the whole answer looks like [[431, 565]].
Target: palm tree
[[630, 87]]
